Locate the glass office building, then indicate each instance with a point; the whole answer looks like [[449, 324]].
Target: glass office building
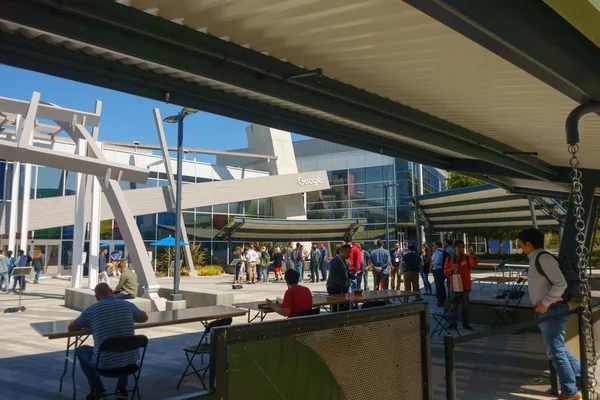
[[357, 180]]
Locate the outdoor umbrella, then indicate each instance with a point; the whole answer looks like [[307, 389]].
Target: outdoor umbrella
[[168, 241]]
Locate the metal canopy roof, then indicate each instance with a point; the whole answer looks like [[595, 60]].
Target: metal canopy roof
[[466, 86], [484, 208], [289, 230]]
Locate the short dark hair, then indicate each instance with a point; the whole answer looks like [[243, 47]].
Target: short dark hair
[[102, 290], [412, 247], [347, 238], [533, 236], [292, 277], [448, 241], [21, 251], [458, 243], [438, 244], [298, 244]]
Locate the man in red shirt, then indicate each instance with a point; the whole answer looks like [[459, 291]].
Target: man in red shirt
[[355, 261], [296, 299]]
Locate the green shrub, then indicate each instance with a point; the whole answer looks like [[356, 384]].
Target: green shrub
[[209, 270]]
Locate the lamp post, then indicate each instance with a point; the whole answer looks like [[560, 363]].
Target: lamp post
[[178, 119], [385, 187]]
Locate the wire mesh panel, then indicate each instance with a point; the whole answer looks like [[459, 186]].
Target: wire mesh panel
[[371, 354]]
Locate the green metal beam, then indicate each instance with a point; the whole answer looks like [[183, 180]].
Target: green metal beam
[[472, 202], [490, 221], [125, 30], [476, 212]]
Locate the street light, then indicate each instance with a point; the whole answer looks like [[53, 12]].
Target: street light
[[385, 187], [178, 119]]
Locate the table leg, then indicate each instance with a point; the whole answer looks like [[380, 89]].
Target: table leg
[[249, 311], [262, 316], [78, 342], [62, 377]]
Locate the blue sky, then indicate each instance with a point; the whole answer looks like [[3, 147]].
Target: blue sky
[[126, 118]]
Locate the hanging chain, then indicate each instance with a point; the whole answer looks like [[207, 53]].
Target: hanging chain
[[582, 267]]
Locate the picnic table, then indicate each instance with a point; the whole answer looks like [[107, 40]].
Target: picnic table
[[376, 295], [260, 309], [490, 280], [59, 329]]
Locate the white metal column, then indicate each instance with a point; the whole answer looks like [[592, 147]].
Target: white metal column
[[14, 195], [94, 232], [79, 226]]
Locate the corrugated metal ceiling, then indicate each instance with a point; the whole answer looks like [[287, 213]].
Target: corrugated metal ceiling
[[389, 48]]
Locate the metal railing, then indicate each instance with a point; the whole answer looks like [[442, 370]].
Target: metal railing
[[450, 343]]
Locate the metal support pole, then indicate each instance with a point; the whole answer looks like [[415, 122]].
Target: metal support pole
[[387, 221], [176, 295], [14, 197], [450, 368], [582, 355], [532, 210]]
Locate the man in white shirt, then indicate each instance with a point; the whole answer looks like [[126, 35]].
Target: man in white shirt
[[546, 287], [252, 256]]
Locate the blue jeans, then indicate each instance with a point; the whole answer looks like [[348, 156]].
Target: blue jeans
[[259, 272], [4, 278], [566, 365], [425, 277], [85, 356], [21, 280], [365, 280], [298, 267], [324, 266], [37, 275], [353, 285]]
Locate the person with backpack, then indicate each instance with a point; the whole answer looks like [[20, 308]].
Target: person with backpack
[[458, 269], [315, 262], [438, 260], [548, 291]]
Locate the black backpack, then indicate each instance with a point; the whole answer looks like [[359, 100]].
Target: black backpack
[[571, 274]]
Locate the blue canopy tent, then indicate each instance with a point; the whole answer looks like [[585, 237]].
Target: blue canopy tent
[[168, 241]]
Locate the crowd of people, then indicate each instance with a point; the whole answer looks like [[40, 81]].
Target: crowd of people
[[8, 263]]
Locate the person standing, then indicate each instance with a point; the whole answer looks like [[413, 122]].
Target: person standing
[[338, 281], [315, 262], [265, 259], [324, 261], [411, 265], [277, 263], [115, 259], [364, 274], [546, 285], [107, 318], [102, 267], [439, 277], [252, 257], [448, 252], [355, 267], [460, 265], [298, 259], [289, 263], [395, 273], [238, 255], [128, 283], [381, 263], [426, 262], [21, 261], [38, 265], [4, 276]]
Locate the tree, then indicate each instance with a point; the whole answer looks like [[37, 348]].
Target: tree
[[457, 181]]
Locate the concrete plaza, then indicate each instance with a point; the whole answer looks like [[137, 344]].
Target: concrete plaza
[[498, 367]]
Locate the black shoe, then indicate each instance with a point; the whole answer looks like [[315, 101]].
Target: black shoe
[[468, 327], [122, 394], [97, 395]]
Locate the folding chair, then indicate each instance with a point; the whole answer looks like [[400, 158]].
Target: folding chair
[[500, 267], [515, 297], [372, 304], [518, 285], [312, 311], [121, 345], [443, 319], [203, 347]]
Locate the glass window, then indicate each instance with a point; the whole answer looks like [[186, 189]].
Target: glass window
[[50, 182], [106, 230], [357, 175], [162, 182], [203, 180], [66, 259], [51, 233], [126, 185], [219, 222], [265, 207], [313, 197], [358, 213], [374, 191], [251, 207], [203, 227], [374, 174], [376, 215], [147, 226], [219, 253], [189, 220], [166, 225], [67, 232], [388, 173], [149, 183], [357, 191], [339, 177], [206, 209], [116, 231], [2, 179], [220, 208], [236, 208]]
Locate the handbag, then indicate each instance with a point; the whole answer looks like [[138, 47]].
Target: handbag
[[457, 284]]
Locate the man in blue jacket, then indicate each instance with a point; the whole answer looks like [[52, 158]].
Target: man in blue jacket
[[381, 264]]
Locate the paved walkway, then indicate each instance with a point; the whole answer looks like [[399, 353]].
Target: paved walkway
[[500, 367]]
